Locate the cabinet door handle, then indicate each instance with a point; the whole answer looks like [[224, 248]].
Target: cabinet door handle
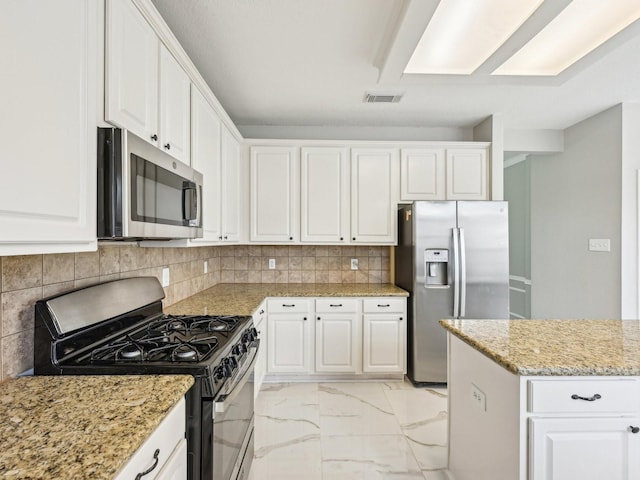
[[634, 429], [261, 311], [335, 304], [288, 305], [152, 467], [154, 137], [168, 146], [384, 306], [586, 399]]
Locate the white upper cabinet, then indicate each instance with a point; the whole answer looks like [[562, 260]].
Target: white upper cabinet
[[205, 157], [443, 174], [467, 174], [274, 194], [146, 90], [230, 187], [374, 195], [48, 122], [131, 68], [175, 88], [422, 174], [325, 195]]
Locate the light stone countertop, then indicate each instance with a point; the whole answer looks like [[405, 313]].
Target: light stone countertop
[[80, 427], [245, 298], [555, 347]]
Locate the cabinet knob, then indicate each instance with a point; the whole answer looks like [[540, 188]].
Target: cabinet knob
[[262, 311], [400, 318], [304, 318], [154, 137], [318, 318], [341, 238], [168, 146], [634, 429], [220, 237], [353, 238], [226, 237], [586, 399], [290, 238]]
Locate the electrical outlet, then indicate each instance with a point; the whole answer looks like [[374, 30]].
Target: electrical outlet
[[354, 264], [206, 266], [599, 245], [478, 398], [272, 263], [165, 277]]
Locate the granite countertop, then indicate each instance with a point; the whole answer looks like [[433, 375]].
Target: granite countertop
[[68, 427], [555, 347], [245, 298]]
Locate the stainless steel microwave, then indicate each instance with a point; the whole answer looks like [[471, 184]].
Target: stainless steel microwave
[[143, 193]]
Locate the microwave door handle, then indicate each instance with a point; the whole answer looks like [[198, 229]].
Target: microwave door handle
[[189, 202]]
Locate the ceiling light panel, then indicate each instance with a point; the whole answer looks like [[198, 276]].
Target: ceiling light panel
[[462, 34], [581, 27]]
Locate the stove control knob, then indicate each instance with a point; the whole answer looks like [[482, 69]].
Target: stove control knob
[[233, 363], [219, 373], [254, 332], [236, 350], [243, 348], [227, 366]]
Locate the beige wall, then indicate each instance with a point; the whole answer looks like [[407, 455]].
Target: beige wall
[[25, 279]]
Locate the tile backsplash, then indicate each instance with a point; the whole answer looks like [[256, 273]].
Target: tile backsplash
[[25, 279]]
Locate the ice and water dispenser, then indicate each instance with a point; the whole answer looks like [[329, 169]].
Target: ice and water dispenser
[[437, 263]]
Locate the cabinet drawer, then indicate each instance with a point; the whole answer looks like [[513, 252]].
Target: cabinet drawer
[[164, 438], [384, 305], [336, 305], [584, 396], [288, 305]]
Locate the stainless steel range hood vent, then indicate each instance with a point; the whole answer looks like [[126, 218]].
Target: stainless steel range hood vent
[[381, 98]]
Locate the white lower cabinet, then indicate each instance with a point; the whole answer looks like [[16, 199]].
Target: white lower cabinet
[[164, 454], [584, 448], [384, 335], [337, 342], [333, 336], [289, 336]]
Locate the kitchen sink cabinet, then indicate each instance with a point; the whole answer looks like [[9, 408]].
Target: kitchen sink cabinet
[[325, 194], [48, 121], [164, 454], [444, 173], [275, 194], [374, 195], [146, 90]]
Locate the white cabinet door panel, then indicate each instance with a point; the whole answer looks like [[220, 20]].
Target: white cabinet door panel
[[175, 88], [131, 71], [384, 343], [205, 133], [374, 195], [324, 194], [422, 174], [584, 448], [467, 174], [289, 343], [274, 194], [48, 124], [337, 341], [230, 187]]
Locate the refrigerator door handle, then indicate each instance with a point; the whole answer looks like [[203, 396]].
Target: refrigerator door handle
[[456, 273], [463, 274]]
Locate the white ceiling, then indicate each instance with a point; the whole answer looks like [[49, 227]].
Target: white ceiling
[[306, 63]]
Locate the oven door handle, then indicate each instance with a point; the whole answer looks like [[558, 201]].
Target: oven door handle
[[220, 404]]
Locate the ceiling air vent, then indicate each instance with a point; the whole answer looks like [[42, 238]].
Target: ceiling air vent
[[379, 98]]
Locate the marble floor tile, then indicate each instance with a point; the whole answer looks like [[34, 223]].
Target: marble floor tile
[[355, 408], [368, 457], [350, 431], [422, 414]]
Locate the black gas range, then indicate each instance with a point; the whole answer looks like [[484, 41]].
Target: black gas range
[[119, 328]]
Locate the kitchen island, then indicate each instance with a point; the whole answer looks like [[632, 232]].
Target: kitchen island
[[69, 428], [544, 399]]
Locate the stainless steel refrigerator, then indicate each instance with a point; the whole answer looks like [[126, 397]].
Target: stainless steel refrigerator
[[453, 258]]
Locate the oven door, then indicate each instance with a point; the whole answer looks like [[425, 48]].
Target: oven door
[[233, 425]]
